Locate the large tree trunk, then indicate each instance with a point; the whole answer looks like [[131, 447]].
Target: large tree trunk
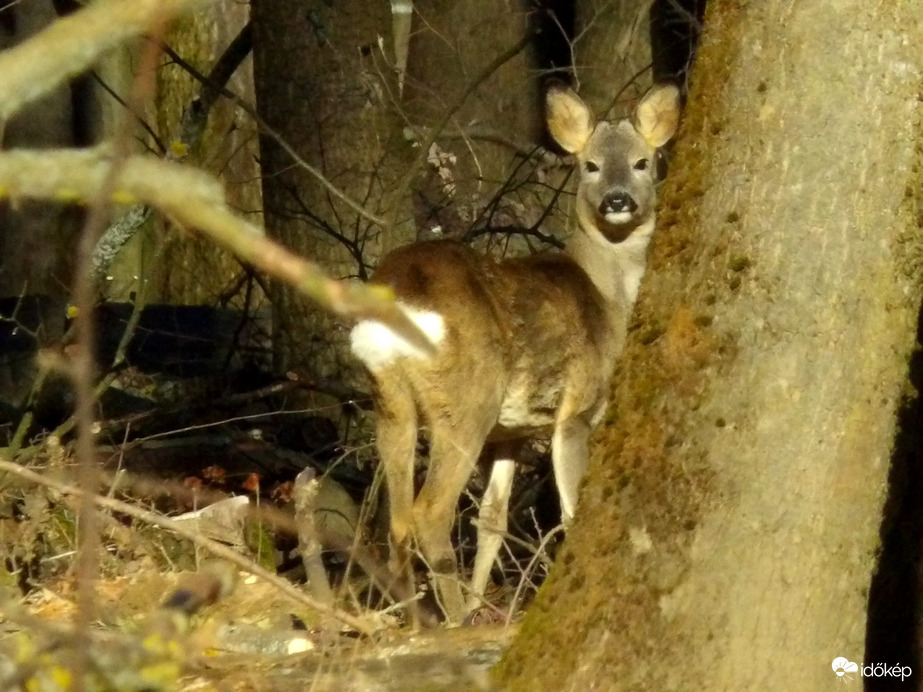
[[326, 83], [729, 522]]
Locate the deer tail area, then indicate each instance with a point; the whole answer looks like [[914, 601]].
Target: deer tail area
[[378, 347]]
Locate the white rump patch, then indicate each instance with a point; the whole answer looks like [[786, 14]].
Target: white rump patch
[[377, 346]]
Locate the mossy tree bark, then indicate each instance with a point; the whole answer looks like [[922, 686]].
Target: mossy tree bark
[[325, 80], [729, 521]]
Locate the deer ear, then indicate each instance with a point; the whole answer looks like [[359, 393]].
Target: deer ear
[[657, 115], [569, 120]]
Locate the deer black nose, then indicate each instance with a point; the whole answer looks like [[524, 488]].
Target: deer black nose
[[616, 202]]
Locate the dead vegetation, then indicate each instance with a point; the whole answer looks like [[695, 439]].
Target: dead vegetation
[[291, 513]]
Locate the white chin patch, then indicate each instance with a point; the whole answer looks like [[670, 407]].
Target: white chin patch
[[377, 346], [617, 218]]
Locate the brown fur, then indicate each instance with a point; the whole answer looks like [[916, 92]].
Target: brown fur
[[529, 345]]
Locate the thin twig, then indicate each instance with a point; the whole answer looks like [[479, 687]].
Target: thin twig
[[554, 200], [535, 558], [497, 137], [533, 232], [140, 120], [83, 370], [404, 184]]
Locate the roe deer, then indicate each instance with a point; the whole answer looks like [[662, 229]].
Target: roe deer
[[524, 345]]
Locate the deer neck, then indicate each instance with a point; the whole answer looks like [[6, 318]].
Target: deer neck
[[614, 268]]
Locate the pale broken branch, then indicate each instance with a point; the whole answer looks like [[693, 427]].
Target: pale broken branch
[[218, 549], [194, 199]]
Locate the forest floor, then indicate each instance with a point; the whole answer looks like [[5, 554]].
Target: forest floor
[[200, 579], [245, 641]]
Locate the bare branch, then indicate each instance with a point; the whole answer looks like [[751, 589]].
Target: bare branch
[[196, 115], [195, 199], [137, 116], [498, 137], [533, 232]]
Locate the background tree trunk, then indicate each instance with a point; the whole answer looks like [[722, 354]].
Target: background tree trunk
[[323, 86], [190, 269], [452, 48], [729, 522], [612, 52], [37, 239]]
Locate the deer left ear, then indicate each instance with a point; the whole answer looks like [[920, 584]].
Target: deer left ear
[[657, 115], [569, 119]]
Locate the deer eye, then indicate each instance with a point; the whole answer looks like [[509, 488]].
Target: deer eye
[[642, 164], [591, 167]]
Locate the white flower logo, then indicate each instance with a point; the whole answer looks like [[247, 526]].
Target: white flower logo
[[842, 666]]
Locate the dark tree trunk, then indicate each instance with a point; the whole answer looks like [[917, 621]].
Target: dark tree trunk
[[325, 81], [37, 239], [612, 51]]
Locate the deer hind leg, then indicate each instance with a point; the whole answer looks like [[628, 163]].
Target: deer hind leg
[[492, 518], [452, 459], [569, 456], [397, 440]]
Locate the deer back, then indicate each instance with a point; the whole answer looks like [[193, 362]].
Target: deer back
[[522, 329]]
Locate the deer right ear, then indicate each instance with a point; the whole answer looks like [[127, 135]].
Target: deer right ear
[[569, 120], [657, 115]]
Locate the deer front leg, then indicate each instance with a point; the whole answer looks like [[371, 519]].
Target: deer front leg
[[569, 456], [492, 520]]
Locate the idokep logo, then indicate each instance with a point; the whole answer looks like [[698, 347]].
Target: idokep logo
[[843, 667], [846, 670]]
